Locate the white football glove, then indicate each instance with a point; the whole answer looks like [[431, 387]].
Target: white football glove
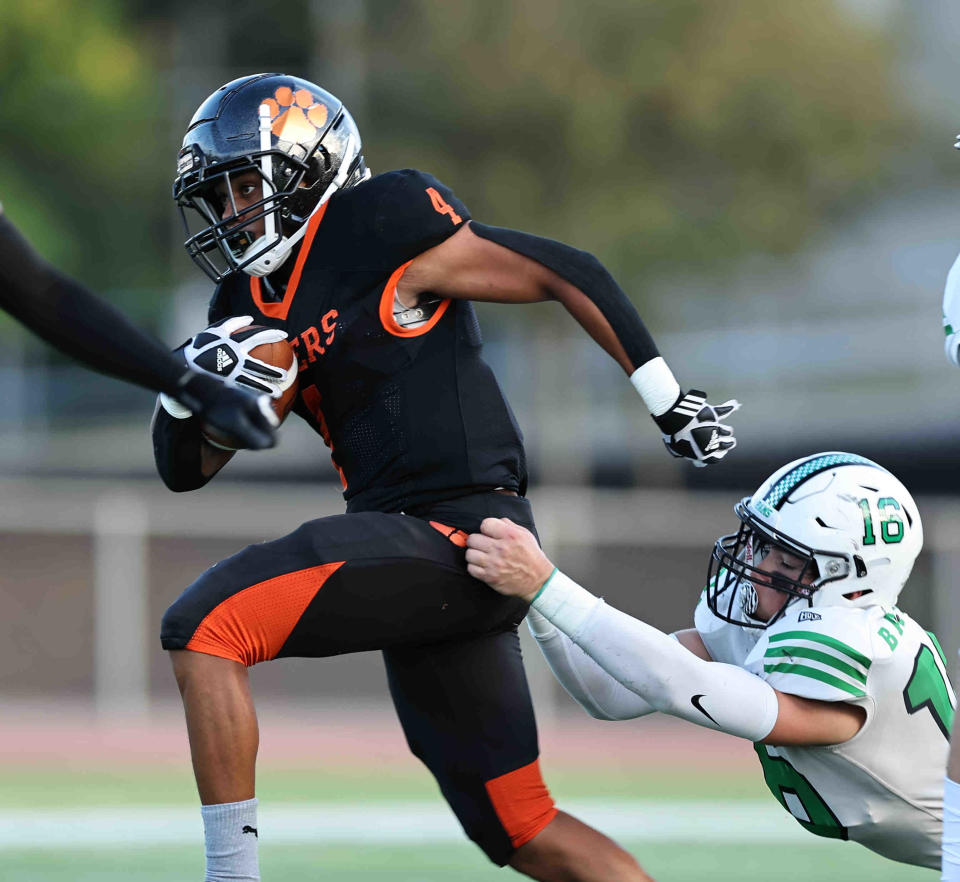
[[692, 428], [223, 350]]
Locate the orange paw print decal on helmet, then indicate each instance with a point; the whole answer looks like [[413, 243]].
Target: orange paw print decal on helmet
[[297, 116]]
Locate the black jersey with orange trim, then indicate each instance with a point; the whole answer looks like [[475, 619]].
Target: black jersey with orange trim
[[412, 415]]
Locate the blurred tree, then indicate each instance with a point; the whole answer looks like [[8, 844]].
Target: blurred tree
[[80, 168], [658, 135], [655, 134]]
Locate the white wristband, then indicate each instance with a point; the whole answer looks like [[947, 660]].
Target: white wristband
[[657, 385], [174, 407]]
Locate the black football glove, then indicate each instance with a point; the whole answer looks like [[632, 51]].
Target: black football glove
[[245, 418], [692, 428]]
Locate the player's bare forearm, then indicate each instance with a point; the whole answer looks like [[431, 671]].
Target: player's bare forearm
[[505, 266], [470, 267], [507, 557]]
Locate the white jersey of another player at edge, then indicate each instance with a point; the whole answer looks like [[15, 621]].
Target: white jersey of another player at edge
[[951, 313], [798, 646], [951, 810]]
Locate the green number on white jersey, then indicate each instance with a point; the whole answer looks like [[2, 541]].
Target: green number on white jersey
[[926, 688], [796, 794]]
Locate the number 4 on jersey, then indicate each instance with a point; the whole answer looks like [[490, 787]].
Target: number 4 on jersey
[[441, 206]]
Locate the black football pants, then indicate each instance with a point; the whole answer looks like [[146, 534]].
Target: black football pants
[[398, 583]]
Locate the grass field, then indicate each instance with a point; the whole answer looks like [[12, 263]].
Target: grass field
[[718, 829], [84, 808]]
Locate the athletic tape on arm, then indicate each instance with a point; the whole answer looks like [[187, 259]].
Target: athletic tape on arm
[[659, 669], [657, 386]]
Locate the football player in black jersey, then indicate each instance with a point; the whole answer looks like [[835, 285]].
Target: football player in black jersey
[[371, 278], [68, 316]]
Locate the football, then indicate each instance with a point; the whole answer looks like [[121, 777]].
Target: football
[[279, 354]]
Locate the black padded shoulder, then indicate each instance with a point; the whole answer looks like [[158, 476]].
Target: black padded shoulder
[[397, 215]]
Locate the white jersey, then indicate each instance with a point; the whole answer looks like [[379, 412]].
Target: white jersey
[[883, 787], [951, 312]]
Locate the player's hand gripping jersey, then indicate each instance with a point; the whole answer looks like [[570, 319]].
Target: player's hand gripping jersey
[[883, 787]]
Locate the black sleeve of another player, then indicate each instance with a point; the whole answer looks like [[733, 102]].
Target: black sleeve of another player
[[68, 316], [585, 272]]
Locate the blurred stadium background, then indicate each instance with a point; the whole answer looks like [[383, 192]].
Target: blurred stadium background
[[774, 186]]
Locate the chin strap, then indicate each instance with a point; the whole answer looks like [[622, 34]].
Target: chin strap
[[273, 257]]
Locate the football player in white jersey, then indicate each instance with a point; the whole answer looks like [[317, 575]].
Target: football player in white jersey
[[951, 800], [951, 309], [951, 313], [798, 646], [951, 810]]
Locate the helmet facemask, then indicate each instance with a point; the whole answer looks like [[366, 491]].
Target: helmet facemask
[[224, 245], [735, 569], [227, 238]]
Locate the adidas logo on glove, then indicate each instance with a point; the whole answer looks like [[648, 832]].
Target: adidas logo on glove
[[225, 360]]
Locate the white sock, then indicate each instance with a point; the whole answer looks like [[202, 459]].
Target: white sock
[[230, 833]]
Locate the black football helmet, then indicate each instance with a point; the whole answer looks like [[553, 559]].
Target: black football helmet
[[296, 137]]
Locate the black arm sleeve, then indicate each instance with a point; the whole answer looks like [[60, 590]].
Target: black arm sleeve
[[176, 450], [68, 316], [585, 272]]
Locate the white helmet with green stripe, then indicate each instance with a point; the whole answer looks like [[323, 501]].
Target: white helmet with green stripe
[[854, 526]]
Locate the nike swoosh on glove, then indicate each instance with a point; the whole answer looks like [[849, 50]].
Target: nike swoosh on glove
[[692, 428]]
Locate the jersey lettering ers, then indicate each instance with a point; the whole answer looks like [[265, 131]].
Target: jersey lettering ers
[[412, 413]]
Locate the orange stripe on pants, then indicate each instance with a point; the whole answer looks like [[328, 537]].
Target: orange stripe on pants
[[253, 624], [522, 802]]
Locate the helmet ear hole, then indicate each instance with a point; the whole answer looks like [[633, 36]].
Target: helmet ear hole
[[860, 565]]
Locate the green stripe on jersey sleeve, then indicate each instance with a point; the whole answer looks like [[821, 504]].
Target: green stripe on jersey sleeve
[[816, 655], [815, 674], [832, 642]]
